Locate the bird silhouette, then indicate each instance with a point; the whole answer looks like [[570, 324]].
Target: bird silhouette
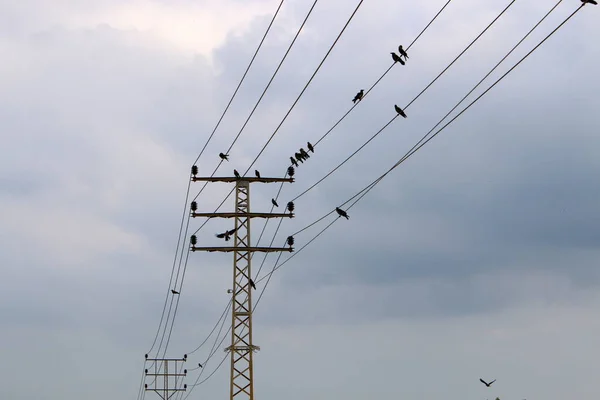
[[402, 52], [200, 365], [224, 157], [294, 162], [257, 173], [594, 2], [226, 235], [237, 174], [485, 383], [174, 291], [274, 203], [342, 213], [304, 153], [397, 58], [252, 284], [310, 147], [358, 96], [399, 111], [299, 157]]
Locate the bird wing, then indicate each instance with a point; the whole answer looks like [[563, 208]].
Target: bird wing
[[482, 381], [231, 232], [221, 235]]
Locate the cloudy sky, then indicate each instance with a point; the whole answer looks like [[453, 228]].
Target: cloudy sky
[[478, 257]]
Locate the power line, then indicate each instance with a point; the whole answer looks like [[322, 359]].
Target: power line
[[407, 106], [369, 187]]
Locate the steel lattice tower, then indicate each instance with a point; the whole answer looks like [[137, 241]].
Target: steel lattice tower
[[242, 348]]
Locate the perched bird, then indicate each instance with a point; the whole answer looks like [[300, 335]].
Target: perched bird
[[174, 291], [402, 52], [252, 284], [310, 147], [342, 213], [399, 111], [485, 383], [237, 174], [299, 157], [358, 96], [274, 203], [224, 157], [200, 365], [594, 2], [304, 153], [294, 162], [257, 173], [397, 58]]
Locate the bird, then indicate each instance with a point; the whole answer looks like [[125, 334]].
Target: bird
[[402, 52], [224, 157], [485, 383], [594, 2], [304, 153], [294, 162], [237, 174], [342, 213], [358, 96], [252, 284], [274, 203], [397, 58], [299, 157], [257, 173], [174, 291], [200, 365], [310, 147], [399, 111], [226, 235]]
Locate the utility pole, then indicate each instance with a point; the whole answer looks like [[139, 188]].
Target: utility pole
[[161, 369], [241, 385]]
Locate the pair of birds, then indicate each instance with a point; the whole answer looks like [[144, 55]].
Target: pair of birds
[[398, 58], [302, 154], [238, 176]]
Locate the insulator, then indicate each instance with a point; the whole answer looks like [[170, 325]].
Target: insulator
[[185, 371], [185, 386], [145, 386], [146, 371], [185, 356], [290, 206], [290, 240], [291, 171], [194, 170], [146, 356], [194, 206], [194, 240]]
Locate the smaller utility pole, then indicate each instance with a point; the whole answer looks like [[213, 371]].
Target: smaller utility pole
[[161, 369]]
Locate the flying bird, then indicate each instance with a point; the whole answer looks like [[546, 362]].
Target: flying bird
[[358, 96], [257, 173], [399, 111], [342, 213], [402, 52], [594, 2], [226, 235], [485, 383], [224, 157], [252, 284], [310, 147], [174, 291], [294, 162], [274, 203], [397, 58], [237, 174]]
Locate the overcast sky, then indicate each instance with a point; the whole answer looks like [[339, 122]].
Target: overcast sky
[[477, 258]]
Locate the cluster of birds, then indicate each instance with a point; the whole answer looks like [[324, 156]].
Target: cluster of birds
[[302, 155], [397, 58]]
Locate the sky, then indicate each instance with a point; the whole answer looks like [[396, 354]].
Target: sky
[[476, 258]]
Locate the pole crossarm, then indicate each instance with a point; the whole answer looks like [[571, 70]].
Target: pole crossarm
[[246, 179], [247, 215], [170, 380], [245, 249]]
